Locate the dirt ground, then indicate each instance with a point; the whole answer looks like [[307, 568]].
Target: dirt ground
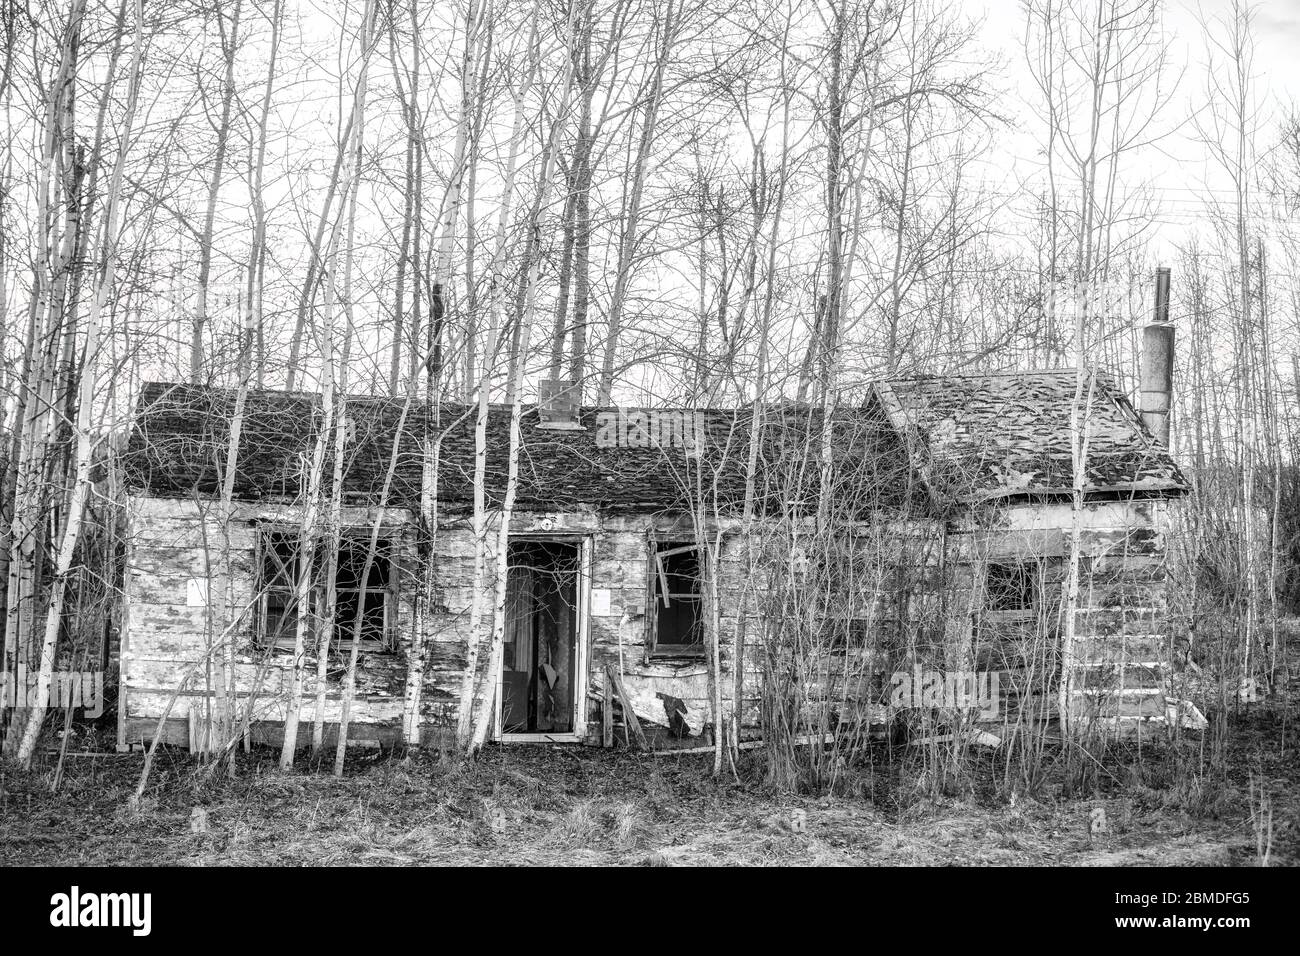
[[550, 805]]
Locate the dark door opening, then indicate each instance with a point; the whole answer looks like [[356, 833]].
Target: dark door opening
[[538, 680]]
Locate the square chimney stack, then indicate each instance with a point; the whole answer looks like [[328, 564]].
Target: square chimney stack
[[557, 404], [1157, 371]]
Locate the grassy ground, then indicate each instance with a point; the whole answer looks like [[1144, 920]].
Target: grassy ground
[[546, 805]]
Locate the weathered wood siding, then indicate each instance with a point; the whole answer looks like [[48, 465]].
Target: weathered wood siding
[[1121, 626], [169, 657], [169, 648]]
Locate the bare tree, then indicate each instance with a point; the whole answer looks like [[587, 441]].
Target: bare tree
[[74, 512]]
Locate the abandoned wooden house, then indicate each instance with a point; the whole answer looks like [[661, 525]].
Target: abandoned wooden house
[[634, 537]]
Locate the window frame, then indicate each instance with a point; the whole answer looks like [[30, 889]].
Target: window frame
[[386, 549], [1026, 604], [265, 591], [657, 589]]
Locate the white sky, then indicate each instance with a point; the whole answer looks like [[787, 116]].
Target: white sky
[[1179, 170]]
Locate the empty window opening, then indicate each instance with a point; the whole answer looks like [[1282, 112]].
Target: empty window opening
[[540, 647], [279, 587], [364, 597], [676, 606], [1011, 587]]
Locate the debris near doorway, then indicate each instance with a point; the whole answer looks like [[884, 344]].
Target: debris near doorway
[[630, 721], [675, 709]]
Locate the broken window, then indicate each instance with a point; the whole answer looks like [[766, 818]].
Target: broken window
[[364, 591], [1011, 587], [278, 587], [841, 632], [676, 607], [358, 590]]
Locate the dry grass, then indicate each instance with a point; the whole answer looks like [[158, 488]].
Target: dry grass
[[542, 805]]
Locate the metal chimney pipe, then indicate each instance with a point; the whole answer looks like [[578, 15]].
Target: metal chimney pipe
[[1157, 373]]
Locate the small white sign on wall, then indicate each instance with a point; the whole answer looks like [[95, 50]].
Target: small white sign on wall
[[600, 602], [196, 592]]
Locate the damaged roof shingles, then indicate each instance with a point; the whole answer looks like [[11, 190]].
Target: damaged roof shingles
[[992, 436], [178, 448], [978, 437]]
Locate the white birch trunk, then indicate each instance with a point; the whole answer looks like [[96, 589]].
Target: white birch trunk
[[465, 707], [76, 506]]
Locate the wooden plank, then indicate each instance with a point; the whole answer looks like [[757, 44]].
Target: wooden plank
[[803, 740], [607, 716], [629, 715]]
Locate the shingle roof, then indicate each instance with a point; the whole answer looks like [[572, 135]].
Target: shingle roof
[[970, 437], [178, 447], [991, 436]]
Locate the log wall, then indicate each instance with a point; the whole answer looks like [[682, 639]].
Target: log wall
[[169, 657], [171, 648]]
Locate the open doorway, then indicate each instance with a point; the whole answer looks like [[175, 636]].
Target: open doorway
[[540, 673]]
